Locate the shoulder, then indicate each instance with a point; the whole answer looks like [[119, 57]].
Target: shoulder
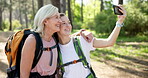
[[29, 45], [31, 37], [30, 40]]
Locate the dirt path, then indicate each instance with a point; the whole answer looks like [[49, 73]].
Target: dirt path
[[3, 61], [104, 69]]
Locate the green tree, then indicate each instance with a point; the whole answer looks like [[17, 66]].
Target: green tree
[[137, 17], [3, 5], [105, 20]]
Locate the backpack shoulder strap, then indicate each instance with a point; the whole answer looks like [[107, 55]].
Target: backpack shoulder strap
[[38, 51], [78, 48], [79, 51], [60, 62]]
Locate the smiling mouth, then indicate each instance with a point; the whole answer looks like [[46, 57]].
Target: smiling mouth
[[67, 30]]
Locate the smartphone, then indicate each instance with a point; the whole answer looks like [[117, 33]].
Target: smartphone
[[116, 10]]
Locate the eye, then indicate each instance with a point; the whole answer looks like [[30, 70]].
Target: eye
[[63, 23]]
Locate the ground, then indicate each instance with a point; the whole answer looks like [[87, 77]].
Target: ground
[[102, 68]]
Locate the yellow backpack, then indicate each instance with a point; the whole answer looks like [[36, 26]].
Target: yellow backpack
[[13, 49]]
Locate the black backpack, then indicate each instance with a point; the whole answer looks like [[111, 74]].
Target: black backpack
[[13, 51]]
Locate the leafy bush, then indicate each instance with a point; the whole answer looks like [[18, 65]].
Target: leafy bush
[[6, 24], [15, 25], [137, 18], [105, 22]]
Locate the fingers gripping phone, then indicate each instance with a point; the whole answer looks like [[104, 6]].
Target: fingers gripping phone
[[116, 10]]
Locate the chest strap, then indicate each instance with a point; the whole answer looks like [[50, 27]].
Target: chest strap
[[49, 48], [71, 62]]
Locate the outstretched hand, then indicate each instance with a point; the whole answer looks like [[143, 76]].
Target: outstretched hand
[[121, 17]]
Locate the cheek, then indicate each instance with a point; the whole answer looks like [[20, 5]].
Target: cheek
[[70, 27]]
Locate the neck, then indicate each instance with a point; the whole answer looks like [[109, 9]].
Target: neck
[[64, 39], [47, 36]]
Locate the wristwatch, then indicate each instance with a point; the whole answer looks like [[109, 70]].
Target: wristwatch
[[119, 25]]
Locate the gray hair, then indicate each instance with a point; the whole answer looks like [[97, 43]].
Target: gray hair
[[44, 12]]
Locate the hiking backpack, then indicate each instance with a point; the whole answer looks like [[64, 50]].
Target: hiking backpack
[[82, 59], [13, 49]]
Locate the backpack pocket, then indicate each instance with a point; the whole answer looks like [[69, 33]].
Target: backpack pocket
[[12, 73]]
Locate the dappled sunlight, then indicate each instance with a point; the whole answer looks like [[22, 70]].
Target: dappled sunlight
[[126, 58]]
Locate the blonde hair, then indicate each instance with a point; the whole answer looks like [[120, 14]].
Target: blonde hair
[[43, 13]]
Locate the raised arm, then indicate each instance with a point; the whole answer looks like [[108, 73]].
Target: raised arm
[[101, 43]]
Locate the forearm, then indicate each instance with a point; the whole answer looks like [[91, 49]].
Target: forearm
[[113, 36], [101, 43]]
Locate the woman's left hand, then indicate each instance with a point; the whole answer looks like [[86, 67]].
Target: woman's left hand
[[121, 17]]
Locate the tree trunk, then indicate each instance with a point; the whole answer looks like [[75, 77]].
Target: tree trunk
[[0, 18], [33, 8], [40, 3], [10, 16], [73, 15], [20, 13], [63, 6], [102, 6], [56, 3], [26, 18], [82, 10], [69, 12], [120, 2]]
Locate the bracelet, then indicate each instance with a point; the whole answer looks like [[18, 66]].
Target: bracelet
[[119, 25]]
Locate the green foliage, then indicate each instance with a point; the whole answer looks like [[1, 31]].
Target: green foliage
[[89, 12], [137, 17], [137, 38], [105, 21], [121, 51], [6, 24], [76, 16], [15, 24]]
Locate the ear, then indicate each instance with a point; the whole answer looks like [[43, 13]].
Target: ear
[[45, 21]]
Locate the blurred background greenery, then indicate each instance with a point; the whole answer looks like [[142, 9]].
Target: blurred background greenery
[[94, 15], [130, 53]]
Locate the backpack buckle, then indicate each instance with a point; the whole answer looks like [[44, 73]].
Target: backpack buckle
[[74, 62]]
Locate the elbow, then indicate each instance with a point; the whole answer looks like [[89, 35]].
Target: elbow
[[111, 44]]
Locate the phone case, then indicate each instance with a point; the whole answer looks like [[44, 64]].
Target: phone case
[[116, 10]]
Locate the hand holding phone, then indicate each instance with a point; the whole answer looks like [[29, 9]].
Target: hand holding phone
[[116, 10]]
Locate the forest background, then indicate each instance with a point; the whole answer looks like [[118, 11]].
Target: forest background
[[128, 58]]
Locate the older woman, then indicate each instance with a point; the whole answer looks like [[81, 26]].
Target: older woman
[[46, 23]]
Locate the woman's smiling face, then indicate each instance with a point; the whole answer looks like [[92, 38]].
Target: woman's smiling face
[[65, 28]]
